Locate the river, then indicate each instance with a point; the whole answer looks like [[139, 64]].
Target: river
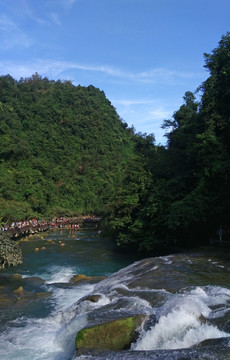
[[185, 296]]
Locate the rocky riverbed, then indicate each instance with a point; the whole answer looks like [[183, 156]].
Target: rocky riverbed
[[48, 306]]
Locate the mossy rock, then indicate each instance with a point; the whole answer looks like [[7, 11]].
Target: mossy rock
[[113, 335], [83, 278], [19, 291], [80, 277], [15, 277]]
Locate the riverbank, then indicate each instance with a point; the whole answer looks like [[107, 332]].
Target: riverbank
[[10, 252], [20, 229]]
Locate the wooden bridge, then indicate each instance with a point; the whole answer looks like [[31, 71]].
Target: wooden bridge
[[18, 232], [31, 229]]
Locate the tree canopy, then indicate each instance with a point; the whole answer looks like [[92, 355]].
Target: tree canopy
[[187, 193], [64, 150]]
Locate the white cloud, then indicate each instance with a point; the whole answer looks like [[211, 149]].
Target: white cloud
[[160, 113], [55, 18], [130, 102], [11, 34], [145, 114], [154, 109], [163, 75], [69, 3], [27, 10], [53, 68]]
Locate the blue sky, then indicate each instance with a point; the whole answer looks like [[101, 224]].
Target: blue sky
[[144, 54]]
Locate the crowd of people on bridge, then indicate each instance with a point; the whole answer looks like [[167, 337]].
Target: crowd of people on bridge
[[21, 224], [36, 223], [61, 222]]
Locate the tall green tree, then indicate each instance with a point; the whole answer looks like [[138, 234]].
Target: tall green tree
[[187, 194], [63, 148]]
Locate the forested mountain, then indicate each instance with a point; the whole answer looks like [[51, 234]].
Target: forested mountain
[[188, 192], [64, 150]]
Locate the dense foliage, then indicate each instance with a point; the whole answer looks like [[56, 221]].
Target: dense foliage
[[64, 150], [186, 194]]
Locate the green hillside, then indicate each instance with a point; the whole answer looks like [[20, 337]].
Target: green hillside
[[63, 148], [65, 151]]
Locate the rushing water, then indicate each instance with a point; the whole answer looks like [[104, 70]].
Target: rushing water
[[186, 298]]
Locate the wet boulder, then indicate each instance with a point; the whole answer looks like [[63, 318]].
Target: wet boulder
[[34, 281], [10, 252], [15, 277], [93, 298], [76, 279], [19, 291], [113, 335]]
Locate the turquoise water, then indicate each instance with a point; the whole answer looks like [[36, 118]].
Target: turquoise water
[[84, 252], [185, 297], [31, 325]]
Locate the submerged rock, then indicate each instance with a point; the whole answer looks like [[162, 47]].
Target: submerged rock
[[15, 277], [19, 291], [43, 295], [5, 300], [10, 252], [113, 335], [34, 281], [93, 298]]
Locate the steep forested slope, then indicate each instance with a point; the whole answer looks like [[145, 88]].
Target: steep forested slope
[[188, 193], [63, 148]]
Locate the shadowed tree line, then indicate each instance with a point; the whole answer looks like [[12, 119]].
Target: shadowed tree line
[[184, 193], [65, 151]]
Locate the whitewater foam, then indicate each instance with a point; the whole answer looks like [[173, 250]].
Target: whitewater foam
[[64, 298], [58, 274], [183, 321], [40, 339], [47, 338]]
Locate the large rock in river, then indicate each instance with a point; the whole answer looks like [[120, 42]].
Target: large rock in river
[[113, 335], [10, 252]]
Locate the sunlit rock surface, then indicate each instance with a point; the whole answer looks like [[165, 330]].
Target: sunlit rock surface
[[112, 335], [10, 252]]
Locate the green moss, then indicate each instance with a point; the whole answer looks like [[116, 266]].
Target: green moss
[[113, 335], [81, 277]]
